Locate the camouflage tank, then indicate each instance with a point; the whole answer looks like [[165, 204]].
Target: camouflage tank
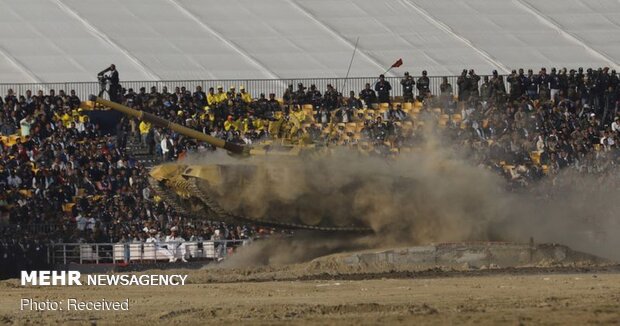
[[238, 192]]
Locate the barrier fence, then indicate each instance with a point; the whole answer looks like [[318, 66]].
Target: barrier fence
[[111, 253], [254, 86], [31, 228]]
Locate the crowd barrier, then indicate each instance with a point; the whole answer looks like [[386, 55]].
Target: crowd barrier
[[108, 253], [253, 86]]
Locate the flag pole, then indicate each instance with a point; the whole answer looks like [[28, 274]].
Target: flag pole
[[344, 83], [396, 64]]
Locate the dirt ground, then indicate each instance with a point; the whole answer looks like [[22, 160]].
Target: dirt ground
[[501, 298]]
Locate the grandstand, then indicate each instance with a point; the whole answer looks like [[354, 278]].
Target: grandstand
[[64, 180]]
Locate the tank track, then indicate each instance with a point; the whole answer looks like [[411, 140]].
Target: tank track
[[227, 216], [165, 196], [222, 215]]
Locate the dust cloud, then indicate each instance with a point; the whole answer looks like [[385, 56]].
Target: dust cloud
[[430, 196]]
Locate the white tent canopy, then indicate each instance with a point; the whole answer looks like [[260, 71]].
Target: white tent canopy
[[71, 40]]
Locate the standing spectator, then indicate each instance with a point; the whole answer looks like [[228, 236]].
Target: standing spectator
[[330, 98], [314, 96], [165, 146], [473, 80], [200, 98], [25, 125], [299, 97], [383, 89], [515, 85], [531, 85], [176, 245], [245, 96], [498, 92], [289, 95], [463, 86], [611, 98], [211, 98], [424, 86], [368, 95], [554, 85], [144, 127], [543, 85], [446, 93], [486, 89], [407, 82]]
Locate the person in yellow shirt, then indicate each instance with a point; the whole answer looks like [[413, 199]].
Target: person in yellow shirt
[[220, 96], [144, 130], [259, 124], [300, 115], [232, 93], [245, 96], [211, 97], [246, 124], [229, 123], [66, 119]]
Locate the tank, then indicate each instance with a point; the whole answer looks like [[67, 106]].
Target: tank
[[255, 184]]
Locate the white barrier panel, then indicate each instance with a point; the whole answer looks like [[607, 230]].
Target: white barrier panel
[[165, 251], [87, 253]]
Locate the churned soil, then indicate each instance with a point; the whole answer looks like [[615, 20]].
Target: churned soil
[[535, 295]]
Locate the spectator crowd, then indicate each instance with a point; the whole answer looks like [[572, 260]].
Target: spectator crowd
[[58, 169]]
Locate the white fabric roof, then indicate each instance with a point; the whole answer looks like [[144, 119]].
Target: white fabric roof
[[71, 40]]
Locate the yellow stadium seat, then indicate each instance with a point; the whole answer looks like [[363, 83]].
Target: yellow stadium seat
[[351, 127], [407, 106], [535, 156], [68, 207], [384, 106]]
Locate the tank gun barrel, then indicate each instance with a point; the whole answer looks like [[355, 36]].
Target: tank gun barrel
[[163, 123]]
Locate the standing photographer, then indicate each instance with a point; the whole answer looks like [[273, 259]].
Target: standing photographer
[[115, 86]]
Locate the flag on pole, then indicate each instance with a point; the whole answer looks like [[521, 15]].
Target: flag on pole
[[398, 63]]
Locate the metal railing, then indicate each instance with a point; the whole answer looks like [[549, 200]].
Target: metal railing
[[253, 86], [31, 228], [112, 253]]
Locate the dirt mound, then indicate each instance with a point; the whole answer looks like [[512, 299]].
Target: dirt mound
[[437, 259]]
